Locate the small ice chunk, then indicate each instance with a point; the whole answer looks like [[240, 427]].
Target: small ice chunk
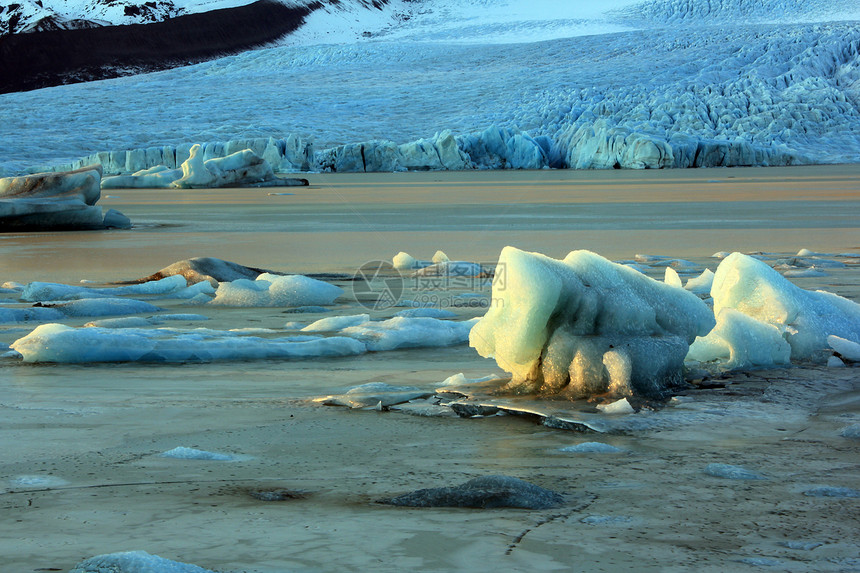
[[847, 349], [835, 362], [122, 322], [406, 262], [701, 284], [426, 313], [721, 255], [827, 491], [801, 545], [811, 272], [760, 561], [606, 519], [671, 278], [460, 380], [134, 562], [183, 317], [37, 481], [727, 471], [403, 332], [276, 290], [648, 259], [807, 253], [592, 448], [439, 257], [184, 453], [333, 323], [293, 325], [621, 406], [852, 431]]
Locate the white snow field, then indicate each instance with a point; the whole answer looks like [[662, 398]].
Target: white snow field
[[661, 84]]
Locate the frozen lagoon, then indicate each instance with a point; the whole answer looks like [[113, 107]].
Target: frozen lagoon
[[100, 429]]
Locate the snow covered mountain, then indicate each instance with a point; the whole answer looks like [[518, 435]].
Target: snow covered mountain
[[625, 83]]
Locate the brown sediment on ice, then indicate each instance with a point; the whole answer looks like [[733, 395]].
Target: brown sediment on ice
[[56, 57]]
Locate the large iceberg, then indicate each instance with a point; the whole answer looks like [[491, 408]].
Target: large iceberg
[[55, 201], [586, 326]]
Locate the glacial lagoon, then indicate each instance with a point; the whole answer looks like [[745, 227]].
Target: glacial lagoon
[[83, 465]]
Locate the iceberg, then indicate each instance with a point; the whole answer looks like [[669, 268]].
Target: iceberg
[[240, 169], [586, 326], [805, 318], [740, 341], [56, 201]]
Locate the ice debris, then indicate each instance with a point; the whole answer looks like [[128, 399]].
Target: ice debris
[[827, 491], [727, 471], [621, 406], [592, 448], [852, 431], [846, 349], [185, 453]]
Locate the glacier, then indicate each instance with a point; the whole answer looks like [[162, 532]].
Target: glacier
[[780, 89]]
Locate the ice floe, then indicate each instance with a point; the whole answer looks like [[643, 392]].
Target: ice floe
[[276, 290], [60, 343]]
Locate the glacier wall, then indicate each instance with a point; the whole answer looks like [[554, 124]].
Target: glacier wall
[[770, 94]]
